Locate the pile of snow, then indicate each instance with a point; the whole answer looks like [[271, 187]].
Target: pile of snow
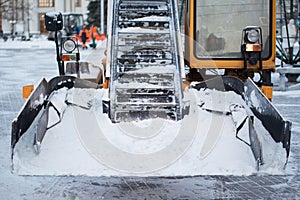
[[87, 143]]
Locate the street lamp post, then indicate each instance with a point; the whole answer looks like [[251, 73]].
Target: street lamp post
[[28, 20], [102, 16]]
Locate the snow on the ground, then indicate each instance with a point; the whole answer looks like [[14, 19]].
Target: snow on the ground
[[203, 143], [39, 42], [36, 42], [290, 94]]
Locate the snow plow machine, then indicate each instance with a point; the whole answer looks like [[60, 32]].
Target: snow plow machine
[[165, 103]]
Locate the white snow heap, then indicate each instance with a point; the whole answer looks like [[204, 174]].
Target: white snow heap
[[203, 143]]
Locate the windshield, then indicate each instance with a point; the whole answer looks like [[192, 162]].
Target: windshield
[[219, 26], [73, 20]]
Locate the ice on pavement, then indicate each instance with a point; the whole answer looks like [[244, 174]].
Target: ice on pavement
[[87, 143]]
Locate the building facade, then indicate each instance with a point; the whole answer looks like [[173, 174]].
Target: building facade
[[27, 16]]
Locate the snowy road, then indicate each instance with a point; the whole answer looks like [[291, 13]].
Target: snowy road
[[26, 66]]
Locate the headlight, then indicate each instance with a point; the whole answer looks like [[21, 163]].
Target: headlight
[[252, 36], [69, 46]]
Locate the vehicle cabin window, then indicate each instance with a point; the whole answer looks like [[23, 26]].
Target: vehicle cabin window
[[46, 3], [219, 26], [78, 3]]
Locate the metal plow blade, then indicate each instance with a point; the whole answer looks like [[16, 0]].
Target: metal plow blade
[[278, 128], [38, 104]]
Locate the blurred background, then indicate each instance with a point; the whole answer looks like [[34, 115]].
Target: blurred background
[[25, 18]]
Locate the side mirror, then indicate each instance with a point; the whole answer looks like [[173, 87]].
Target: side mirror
[[53, 21]]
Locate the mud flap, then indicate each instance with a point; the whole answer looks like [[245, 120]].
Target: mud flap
[[39, 99], [263, 109]]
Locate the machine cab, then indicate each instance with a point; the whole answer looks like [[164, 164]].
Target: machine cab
[[218, 33]]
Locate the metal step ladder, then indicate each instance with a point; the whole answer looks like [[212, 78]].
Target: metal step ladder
[[145, 71]]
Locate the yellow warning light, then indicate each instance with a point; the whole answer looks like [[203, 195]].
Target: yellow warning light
[[68, 57], [27, 90], [65, 57], [253, 47], [268, 91]]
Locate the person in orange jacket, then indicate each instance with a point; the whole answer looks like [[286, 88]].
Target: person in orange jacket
[[84, 35], [94, 34]]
